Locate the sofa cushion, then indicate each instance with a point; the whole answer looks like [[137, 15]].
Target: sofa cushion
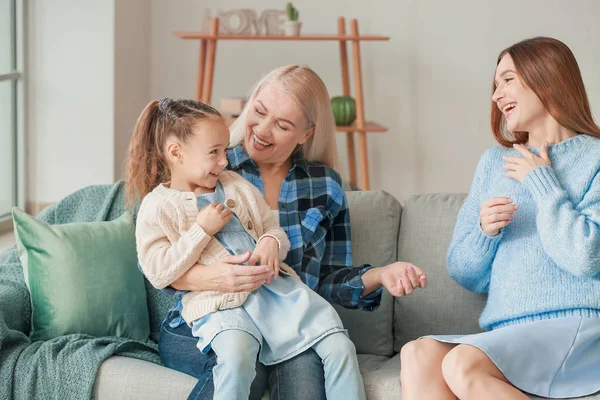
[[443, 307], [129, 378], [381, 376], [82, 277], [374, 217]]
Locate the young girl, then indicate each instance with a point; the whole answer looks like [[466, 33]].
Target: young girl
[[528, 234], [177, 165]]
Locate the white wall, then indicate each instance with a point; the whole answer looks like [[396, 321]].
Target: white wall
[[132, 73], [430, 84], [94, 65], [70, 92], [88, 82]]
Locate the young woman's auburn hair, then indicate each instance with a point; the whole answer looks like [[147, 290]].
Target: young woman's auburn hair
[[548, 67], [146, 164]]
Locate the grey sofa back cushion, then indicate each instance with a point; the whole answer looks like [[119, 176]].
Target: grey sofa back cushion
[[444, 307], [374, 219]]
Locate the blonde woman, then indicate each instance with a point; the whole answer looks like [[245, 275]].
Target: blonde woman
[[284, 144]]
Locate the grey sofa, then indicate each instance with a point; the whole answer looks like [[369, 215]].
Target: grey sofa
[[382, 232]]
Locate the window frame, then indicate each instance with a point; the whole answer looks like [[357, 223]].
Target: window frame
[[17, 77]]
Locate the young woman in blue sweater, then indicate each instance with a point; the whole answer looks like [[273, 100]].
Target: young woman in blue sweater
[[528, 234]]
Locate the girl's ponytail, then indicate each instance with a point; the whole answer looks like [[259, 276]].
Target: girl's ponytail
[[145, 166]]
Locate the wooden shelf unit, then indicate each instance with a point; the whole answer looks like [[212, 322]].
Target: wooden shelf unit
[[369, 127], [307, 37], [206, 69]]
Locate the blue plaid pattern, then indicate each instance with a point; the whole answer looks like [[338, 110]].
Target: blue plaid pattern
[[313, 211]]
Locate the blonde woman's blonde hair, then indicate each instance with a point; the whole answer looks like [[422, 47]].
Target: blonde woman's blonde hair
[[309, 92]]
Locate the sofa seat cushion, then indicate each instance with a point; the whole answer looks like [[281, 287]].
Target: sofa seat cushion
[[381, 376], [130, 378]]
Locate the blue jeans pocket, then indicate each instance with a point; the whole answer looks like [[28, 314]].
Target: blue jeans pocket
[[178, 351]]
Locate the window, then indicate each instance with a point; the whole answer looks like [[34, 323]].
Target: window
[[11, 110]]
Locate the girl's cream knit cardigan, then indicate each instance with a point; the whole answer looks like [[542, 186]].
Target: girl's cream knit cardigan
[[169, 241]]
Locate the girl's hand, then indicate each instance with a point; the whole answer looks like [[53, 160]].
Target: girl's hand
[[213, 218], [519, 167], [266, 253], [495, 214], [402, 278]]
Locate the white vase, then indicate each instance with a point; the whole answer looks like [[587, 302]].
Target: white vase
[[292, 28]]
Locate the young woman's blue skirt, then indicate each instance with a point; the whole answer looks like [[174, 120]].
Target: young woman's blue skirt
[[555, 358]]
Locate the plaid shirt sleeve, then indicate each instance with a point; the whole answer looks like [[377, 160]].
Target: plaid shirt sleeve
[[320, 251], [341, 283]]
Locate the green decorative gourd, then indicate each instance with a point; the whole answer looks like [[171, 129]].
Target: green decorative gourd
[[344, 110]]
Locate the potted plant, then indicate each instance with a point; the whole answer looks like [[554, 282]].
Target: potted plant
[[292, 25]]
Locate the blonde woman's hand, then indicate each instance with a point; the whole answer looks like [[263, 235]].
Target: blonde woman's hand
[[266, 253], [213, 218], [495, 214], [402, 278], [518, 167], [228, 274]]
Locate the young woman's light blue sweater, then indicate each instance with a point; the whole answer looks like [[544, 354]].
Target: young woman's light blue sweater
[[546, 262]]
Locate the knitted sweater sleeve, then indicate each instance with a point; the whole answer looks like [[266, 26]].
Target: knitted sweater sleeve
[[570, 233], [471, 251], [165, 252]]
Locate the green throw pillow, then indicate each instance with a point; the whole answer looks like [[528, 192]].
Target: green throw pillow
[[82, 277]]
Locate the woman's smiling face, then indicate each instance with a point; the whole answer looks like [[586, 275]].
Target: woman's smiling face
[[275, 125], [521, 107]]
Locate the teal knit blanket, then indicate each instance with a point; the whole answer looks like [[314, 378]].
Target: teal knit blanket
[[64, 367]]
